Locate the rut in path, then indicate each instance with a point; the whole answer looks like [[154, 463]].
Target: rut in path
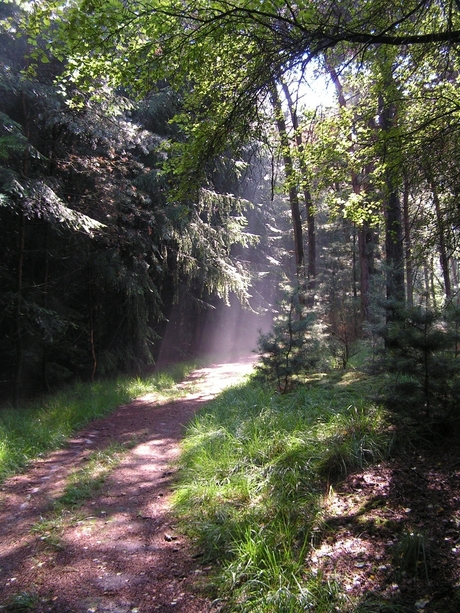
[[119, 552]]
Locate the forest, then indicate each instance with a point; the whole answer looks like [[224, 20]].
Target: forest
[[183, 182], [163, 166]]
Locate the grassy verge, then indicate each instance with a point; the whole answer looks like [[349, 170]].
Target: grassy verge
[[255, 472], [36, 428]]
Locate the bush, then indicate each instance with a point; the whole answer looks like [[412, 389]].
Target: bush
[[290, 349], [421, 356]]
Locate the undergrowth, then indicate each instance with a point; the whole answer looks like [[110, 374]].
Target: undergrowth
[[22, 602], [255, 465], [38, 427]]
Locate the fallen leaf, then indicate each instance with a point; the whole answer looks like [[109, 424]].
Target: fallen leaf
[[421, 604]]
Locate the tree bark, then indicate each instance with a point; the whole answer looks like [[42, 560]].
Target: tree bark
[[366, 265], [311, 232], [45, 383], [392, 211], [393, 248], [443, 256], [17, 379], [18, 315], [432, 285], [408, 246], [91, 329], [292, 183]]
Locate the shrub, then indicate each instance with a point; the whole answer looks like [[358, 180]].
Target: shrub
[[290, 349], [421, 357]]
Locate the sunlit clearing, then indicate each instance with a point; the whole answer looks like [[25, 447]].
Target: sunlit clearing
[[233, 334], [223, 334]]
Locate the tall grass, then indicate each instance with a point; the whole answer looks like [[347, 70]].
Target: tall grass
[[38, 427], [255, 465]]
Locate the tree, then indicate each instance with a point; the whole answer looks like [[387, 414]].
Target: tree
[[389, 146], [289, 351], [219, 62], [359, 187], [94, 253], [421, 356], [292, 185], [231, 52]]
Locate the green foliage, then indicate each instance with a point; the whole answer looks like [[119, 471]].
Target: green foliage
[[11, 138], [96, 248], [289, 351], [140, 203], [356, 438], [85, 482], [421, 355], [230, 52], [22, 602], [411, 555], [252, 478]]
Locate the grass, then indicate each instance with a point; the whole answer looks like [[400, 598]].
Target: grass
[[84, 483], [411, 555], [255, 465], [36, 428], [22, 602]]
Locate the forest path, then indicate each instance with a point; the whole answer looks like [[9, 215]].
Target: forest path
[[117, 551]]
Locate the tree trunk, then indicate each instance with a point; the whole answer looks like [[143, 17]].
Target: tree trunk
[[366, 259], [426, 278], [91, 329], [393, 248], [45, 383], [443, 256], [311, 232], [432, 285], [311, 257], [408, 246], [292, 184], [17, 379], [454, 271], [354, 265], [18, 316], [392, 211]]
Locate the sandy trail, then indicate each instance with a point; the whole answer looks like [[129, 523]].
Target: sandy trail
[[120, 552]]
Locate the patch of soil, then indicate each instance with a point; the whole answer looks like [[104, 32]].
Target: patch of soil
[[120, 552], [391, 533]]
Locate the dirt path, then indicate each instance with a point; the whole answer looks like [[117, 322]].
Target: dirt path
[[120, 552]]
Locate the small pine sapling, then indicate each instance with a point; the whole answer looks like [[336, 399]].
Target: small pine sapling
[[421, 356], [289, 350]]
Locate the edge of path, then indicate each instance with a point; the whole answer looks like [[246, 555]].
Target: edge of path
[[123, 554]]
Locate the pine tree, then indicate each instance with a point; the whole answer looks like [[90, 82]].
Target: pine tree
[[289, 351], [421, 355]]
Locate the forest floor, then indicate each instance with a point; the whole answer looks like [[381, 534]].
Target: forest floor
[[121, 551]]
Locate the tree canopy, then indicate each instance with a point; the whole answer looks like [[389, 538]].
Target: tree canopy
[[162, 140], [227, 54]]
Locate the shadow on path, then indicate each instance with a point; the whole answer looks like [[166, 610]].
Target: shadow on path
[[118, 551]]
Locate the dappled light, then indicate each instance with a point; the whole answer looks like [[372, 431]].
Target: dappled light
[[383, 536], [240, 188], [358, 526], [117, 547], [220, 333]]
